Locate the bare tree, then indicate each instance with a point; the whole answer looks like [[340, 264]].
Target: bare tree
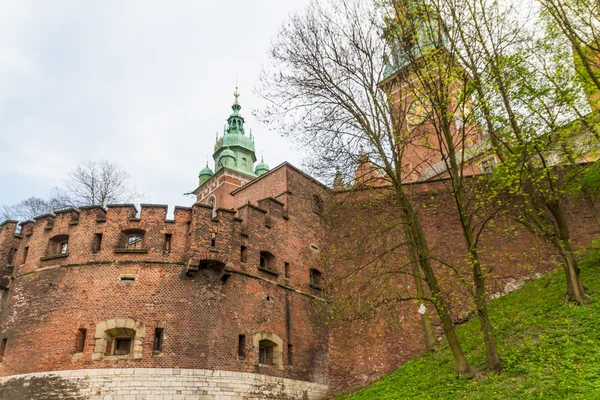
[[324, 90], [96, 183]]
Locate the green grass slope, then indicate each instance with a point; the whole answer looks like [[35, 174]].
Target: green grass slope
[[550, 349]]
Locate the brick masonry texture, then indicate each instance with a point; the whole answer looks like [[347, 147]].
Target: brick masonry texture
[[156, 384], [203, 295]]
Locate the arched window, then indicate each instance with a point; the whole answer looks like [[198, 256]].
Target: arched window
[[268, 350], [120, 338]]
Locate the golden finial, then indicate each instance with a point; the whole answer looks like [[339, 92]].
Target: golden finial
[[236, 95]]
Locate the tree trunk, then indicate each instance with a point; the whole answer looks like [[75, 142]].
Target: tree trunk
[[422, 252], [425, 317], [493, 359], [575, 291]]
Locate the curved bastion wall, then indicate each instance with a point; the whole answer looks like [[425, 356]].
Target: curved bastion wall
[[189, 298], [157, 384]]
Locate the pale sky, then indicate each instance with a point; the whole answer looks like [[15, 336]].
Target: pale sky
[[146, 84]]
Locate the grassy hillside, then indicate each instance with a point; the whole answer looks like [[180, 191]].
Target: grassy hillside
[[550, 350]]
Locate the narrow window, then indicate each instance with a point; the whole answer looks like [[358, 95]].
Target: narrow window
[[242, 346], [263, 260], [158, 340], [287, 269], [80, 340], [2, 348], [63, 247], [25, 252], [122, 346], [97, 242], [11, 255], [290, 354], [318, 205], [244, 254], [213, 239], [168, 237], [244, 162]]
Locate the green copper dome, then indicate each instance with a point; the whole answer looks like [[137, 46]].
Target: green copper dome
[[234, 143], [262, 168], [205, 174]]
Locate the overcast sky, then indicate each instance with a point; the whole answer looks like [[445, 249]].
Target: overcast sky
[[146, 84]]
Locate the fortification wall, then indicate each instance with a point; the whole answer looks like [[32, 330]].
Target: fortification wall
[[198, 291], [386, 332]]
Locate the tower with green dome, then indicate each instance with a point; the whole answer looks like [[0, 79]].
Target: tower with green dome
[[235, 150]]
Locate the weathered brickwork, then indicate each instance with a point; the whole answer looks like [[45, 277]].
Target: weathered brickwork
[[213, 279]]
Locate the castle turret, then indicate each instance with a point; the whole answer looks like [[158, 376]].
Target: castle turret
[[235, 141], [205, 174], [262, 168]]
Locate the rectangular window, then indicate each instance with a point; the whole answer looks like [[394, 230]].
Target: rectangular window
[[122, 346], [244, 254], [213, 239], [134, 242], [168, 237], [265, 355], [25, 252], [263, 261], [290, 354], [2, 348], [63, 247], [97, 243], [242, 346], [287, 269], [80, 340], [158, 340]]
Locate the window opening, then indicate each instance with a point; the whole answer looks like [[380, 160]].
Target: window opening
[[168, 238], [244, 254], [134, 241], [488, 164], [122, 346], [80, 340], [287, 269], [213, 239], [97, 242], [242, 346], [265, 352], [315, 278], [63, 247], [290, 354], [25, 252], [267, 260], [2, 348], [158, 340], [318, 205]]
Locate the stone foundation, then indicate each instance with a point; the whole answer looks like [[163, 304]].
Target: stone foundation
[[155, 384]]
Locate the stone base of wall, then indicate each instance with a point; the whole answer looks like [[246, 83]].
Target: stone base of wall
[[155, 384]]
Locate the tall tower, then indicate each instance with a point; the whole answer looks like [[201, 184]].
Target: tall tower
[[235, 150], [234, 158], [420, 63]]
